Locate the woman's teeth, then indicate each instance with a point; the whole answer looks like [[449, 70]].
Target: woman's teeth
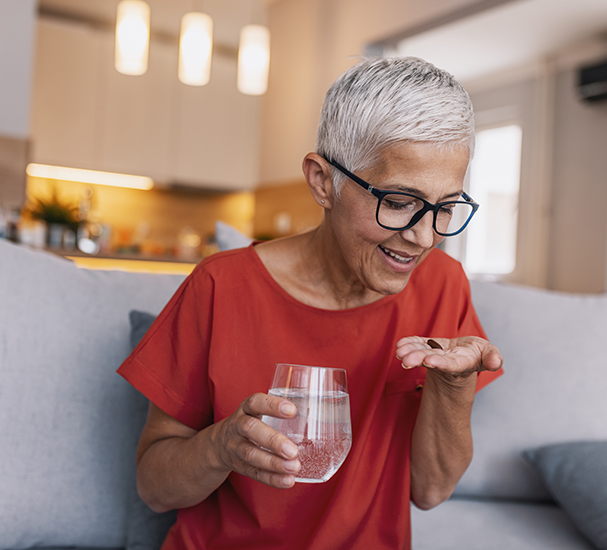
[[398, 258]]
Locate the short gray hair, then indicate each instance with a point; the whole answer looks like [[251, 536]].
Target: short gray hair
[[383, 101]]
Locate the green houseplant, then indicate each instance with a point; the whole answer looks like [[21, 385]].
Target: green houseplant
[[55, 211], [60, 217]]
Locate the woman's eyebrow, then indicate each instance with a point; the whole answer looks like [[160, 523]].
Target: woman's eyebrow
[[402, 189], [453, 195], [421, 194]]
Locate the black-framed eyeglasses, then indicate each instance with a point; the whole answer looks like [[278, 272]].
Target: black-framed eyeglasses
[[398, 211]]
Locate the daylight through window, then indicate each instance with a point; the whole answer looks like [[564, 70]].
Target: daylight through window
[[494, 183]]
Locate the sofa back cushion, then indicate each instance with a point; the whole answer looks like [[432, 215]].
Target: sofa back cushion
[[69, 424], [553, 390]]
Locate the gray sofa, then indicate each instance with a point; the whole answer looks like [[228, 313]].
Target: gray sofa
[[69, 425]]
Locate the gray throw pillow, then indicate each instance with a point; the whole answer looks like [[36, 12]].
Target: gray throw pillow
[[575, 473], [146, 530]]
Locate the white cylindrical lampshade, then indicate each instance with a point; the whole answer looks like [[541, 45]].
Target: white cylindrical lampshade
[[254, 60], [195, 49], [132, 37]]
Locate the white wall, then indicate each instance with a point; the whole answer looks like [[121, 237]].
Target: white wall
[[313, 42], [17, 24], [578, 230], [562, 230], [563, 211]]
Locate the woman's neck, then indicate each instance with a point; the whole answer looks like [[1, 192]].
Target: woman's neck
[[311, 268]]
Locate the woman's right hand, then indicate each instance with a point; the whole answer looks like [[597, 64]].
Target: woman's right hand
[[178, 466], [244, 444]]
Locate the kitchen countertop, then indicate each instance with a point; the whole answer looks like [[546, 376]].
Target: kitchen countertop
[[129, 262]]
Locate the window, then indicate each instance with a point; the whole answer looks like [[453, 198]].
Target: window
[[488, 246]]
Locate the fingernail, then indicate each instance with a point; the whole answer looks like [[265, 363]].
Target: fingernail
[[289, 450], [292, 466], [288, 408], [287, 481], [405, 366]]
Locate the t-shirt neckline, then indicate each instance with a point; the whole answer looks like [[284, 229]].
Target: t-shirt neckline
[[382, 302]]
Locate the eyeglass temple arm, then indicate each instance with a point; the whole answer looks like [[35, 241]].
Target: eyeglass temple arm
[[372, 189], [353, 177]]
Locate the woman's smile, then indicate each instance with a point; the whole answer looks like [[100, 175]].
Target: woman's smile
[[398, 261]]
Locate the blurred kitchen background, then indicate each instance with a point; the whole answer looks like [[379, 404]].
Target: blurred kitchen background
[[209, 147]]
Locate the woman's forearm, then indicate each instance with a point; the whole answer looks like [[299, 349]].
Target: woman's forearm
[[179, 472], [179, 467], [441, 447]]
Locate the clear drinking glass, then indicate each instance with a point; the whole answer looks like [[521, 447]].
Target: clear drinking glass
[[321, 428]]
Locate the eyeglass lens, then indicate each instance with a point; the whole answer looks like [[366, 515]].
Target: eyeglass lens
[[396, 211]]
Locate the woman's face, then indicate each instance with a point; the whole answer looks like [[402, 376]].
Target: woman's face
[[382, 260]]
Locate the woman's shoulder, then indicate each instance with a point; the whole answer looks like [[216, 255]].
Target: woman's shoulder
[[226, 264]]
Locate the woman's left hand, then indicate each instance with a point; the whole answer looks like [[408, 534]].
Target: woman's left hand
[[459, 357]]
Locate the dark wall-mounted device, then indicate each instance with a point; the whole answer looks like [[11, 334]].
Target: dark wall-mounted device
[[592, 82]]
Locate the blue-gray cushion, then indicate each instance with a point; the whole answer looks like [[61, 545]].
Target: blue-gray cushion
[[146, 530], [575, 473], [66, 418], [140, 322]]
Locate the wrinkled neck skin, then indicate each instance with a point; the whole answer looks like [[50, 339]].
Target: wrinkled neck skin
[[343, 288], [311, 267]]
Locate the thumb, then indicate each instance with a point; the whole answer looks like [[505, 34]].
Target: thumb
[[491, 359]]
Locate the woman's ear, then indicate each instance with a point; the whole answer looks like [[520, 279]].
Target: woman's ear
[[318, 175]]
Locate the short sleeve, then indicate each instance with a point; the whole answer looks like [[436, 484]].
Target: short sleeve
[[170, 364], [470, 325]]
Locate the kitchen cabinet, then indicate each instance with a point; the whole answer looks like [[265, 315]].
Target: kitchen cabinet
[[65, 98], [85, 114], [135, 126], [217, 131]]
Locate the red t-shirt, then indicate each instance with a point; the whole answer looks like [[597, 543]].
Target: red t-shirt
[[218, 340]]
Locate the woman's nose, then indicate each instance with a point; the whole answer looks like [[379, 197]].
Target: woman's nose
[[422, 233]]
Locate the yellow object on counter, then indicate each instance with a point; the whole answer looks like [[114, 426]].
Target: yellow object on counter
[[138, 266]]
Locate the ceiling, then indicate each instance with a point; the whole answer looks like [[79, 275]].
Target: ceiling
[[513, 35], [229, 16]]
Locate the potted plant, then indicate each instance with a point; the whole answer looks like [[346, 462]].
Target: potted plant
[[60, 218]]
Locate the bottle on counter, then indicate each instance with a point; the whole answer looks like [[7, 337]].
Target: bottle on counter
[[188, 245], [12, 225], [3, 223]]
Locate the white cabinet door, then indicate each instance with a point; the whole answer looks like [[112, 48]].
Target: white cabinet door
[[65, 99], [135, 128], [217, 132]]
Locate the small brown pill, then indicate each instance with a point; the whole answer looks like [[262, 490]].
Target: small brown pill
[[434, 344]]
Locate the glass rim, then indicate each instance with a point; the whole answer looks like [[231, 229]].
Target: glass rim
[[311, 367]]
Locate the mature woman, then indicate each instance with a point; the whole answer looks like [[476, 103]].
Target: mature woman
[[365, 291]]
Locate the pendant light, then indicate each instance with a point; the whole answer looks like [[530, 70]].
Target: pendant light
[[253, 60], [132, 37], [195, 49]]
